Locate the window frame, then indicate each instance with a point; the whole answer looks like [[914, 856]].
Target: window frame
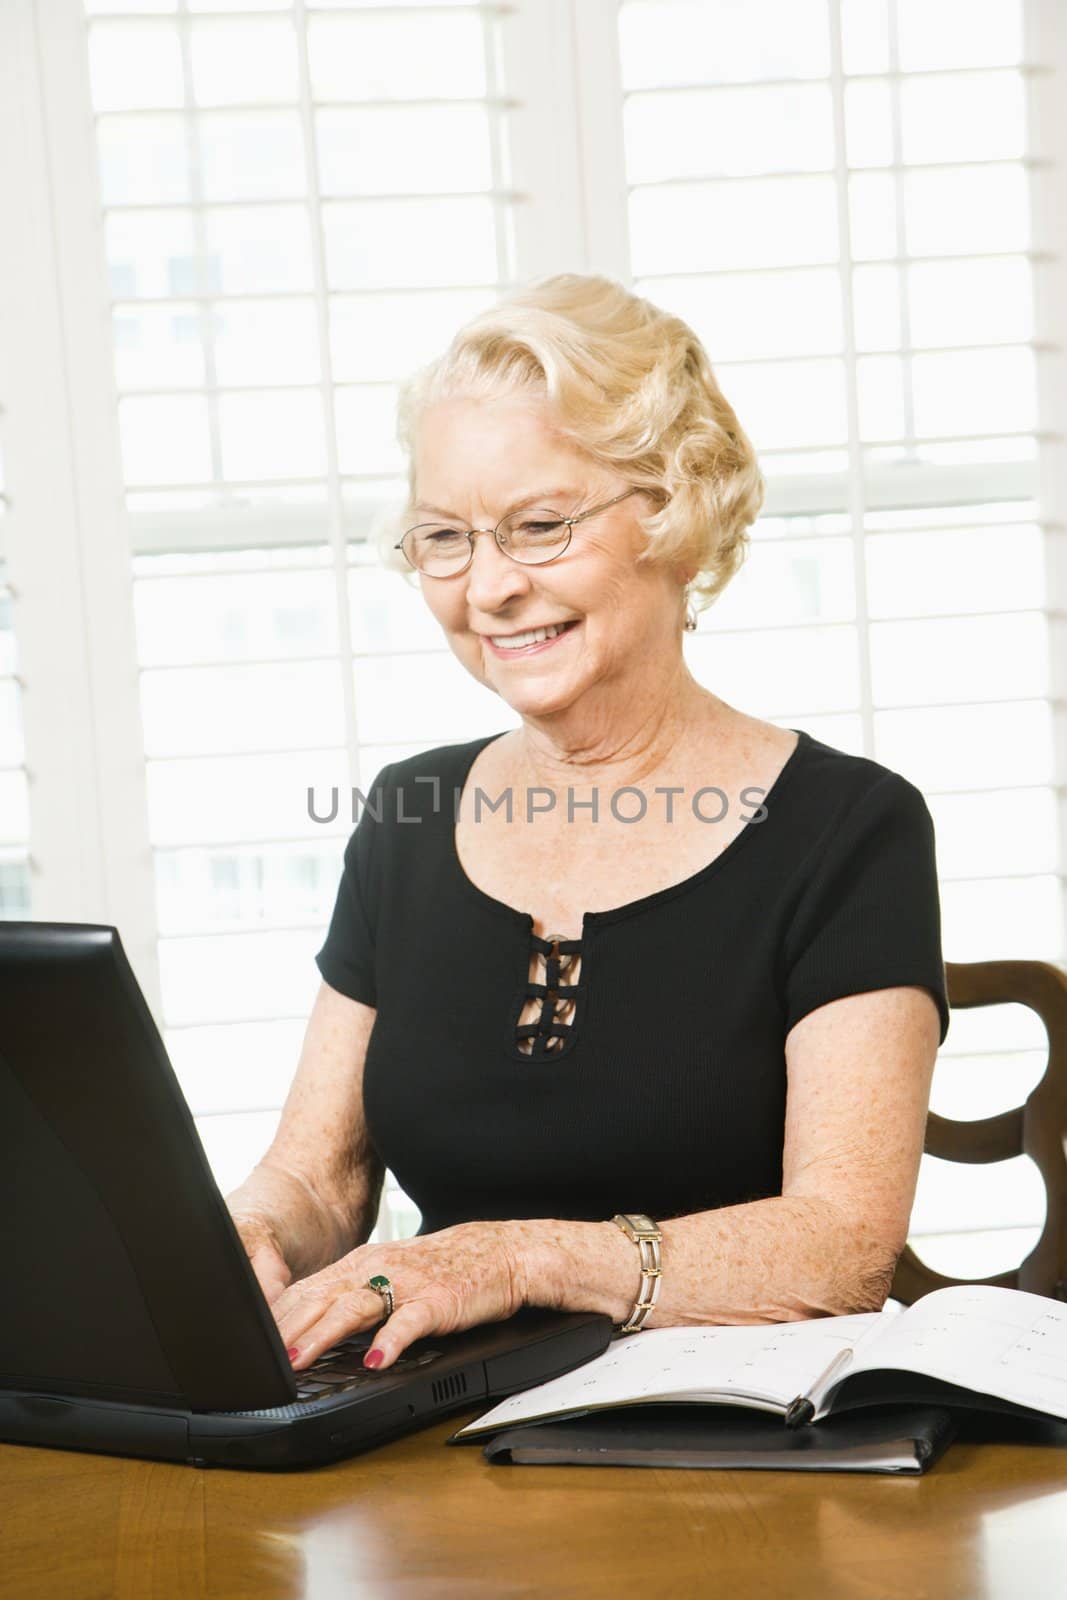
[[73, 614]]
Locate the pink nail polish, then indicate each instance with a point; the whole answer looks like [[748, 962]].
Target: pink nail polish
[[374, 1358], [293, 1353]]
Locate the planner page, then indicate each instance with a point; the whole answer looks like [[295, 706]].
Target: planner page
[[763, 1367], [999, 1342]]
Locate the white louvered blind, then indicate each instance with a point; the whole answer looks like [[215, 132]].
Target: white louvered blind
[[299, 209], [836, 197]]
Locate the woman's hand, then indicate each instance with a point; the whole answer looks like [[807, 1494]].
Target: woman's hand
[[442, 1282], [264, 1252]]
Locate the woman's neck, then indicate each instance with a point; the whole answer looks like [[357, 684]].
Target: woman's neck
[[629, 745]]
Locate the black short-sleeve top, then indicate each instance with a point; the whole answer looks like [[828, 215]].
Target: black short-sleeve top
[[665, 1091]]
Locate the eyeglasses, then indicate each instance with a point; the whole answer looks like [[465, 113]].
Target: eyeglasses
[[529, 537]]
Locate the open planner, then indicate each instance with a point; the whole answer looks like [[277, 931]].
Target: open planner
[[996, 1349]]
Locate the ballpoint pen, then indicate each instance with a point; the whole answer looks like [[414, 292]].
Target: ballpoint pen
[[802, 1409]]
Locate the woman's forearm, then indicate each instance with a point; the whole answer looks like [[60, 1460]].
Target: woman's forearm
[[310, 1232], [777, 1260]]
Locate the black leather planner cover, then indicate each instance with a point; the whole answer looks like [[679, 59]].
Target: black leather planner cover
[[889, 1439]]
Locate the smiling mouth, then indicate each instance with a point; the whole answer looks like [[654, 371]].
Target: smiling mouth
[[529, 641]]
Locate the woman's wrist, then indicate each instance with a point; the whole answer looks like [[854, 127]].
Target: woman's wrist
[[255, 1223], [576, 1266], [298, 1225]]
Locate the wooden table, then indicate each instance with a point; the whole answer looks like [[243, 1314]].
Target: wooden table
[[416, 1521]]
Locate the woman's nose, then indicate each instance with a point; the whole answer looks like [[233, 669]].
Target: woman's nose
[[492, 577]]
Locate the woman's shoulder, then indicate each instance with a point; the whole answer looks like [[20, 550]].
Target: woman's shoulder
[[423, 781], [437, 759], [806, 763], [839, 798], [847, 771]]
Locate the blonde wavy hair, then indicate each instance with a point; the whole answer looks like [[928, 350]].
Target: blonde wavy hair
[[629, 384]]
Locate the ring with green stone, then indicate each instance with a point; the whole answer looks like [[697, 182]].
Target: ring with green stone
[[381, 1286]]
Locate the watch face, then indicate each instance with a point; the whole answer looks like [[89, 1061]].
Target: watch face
[[637, 1225], [640, 1224]]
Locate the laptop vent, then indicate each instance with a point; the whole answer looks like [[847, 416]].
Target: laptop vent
[[450, 1388], [289, 1413]]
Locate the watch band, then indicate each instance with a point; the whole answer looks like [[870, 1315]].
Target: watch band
[[647, 1237]]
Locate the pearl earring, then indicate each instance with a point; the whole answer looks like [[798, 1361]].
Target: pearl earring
[[690, 615]]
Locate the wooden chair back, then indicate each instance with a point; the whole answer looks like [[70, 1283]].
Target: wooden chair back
[[1038, 1128]]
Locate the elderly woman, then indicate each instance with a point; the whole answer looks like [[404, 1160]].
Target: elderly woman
[[645, 953]]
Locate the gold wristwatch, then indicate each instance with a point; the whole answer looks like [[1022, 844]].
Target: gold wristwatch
[[647, 1237]]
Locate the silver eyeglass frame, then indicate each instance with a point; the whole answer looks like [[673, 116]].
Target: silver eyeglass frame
[[472, 533]]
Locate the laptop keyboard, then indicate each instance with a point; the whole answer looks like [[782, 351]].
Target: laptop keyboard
[[342, 1368]]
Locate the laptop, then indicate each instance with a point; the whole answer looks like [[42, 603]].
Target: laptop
[[132, 1321]]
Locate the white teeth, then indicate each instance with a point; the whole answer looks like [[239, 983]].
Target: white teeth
[[519, 641]]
